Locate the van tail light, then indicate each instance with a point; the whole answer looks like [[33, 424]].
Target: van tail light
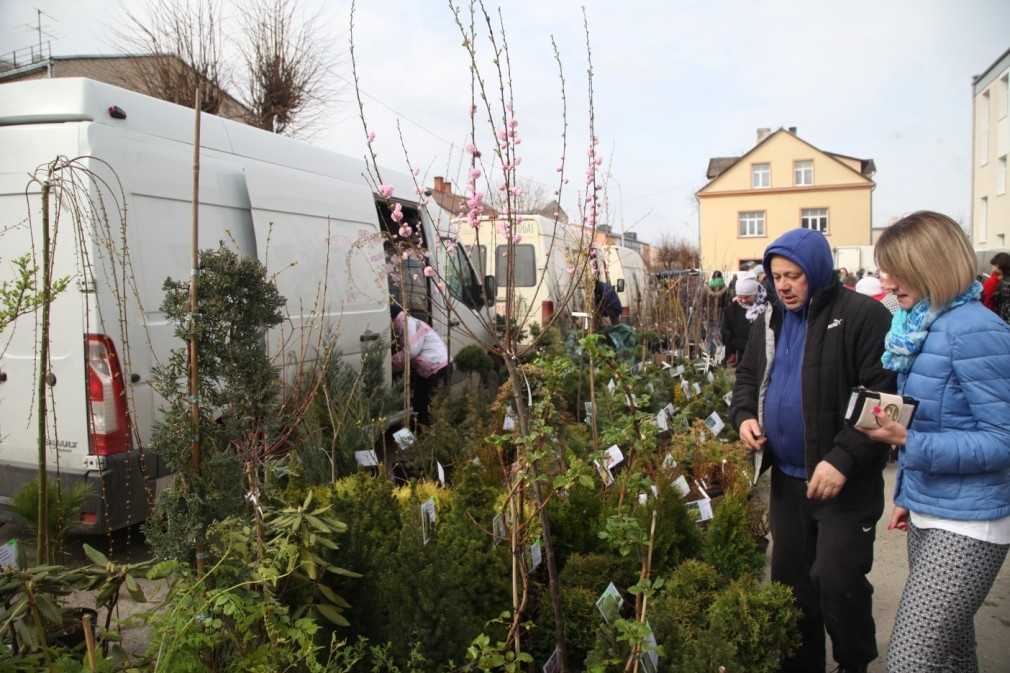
[[546, 311], [109, 421]]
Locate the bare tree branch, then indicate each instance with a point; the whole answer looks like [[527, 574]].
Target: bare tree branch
[[181, 44], [287, 67]]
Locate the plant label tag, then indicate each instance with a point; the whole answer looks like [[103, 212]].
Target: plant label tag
[[510, 422], [366, 458], [427, 519], [614, 456], [704, 507], [609, 603], [714, 423], [8, 553], [404, 437], [536, 557]]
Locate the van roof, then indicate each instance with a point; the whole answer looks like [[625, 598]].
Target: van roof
[[78, 99]]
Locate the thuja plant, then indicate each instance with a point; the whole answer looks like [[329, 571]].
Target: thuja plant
[[240, 414]]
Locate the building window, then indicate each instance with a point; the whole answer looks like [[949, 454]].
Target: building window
[[761, 176], [983, 220], [983, 118], [815, 218], [1004, 96], [803, 173], [752, 223], [1001, 175]]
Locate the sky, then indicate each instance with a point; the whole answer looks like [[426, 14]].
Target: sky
[[674, 83]]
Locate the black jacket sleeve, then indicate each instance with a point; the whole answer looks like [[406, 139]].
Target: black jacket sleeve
[[851, 450]]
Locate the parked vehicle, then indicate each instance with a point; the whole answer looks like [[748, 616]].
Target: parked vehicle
[[545, 267], [120, 226], [625, 269]]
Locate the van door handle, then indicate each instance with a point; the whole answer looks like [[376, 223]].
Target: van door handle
[[453, 323], [369, 335]]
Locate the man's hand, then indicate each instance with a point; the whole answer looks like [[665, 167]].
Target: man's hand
[[751, 434], [826, 483]]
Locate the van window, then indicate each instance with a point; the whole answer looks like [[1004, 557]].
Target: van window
[[459, 276], [525, 257]]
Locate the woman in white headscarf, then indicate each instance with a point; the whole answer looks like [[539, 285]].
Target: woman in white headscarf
[[738, 315]]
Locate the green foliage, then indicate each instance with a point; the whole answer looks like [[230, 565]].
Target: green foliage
[[63, 508], [679, 614], [262, 600], [759, 620], [729, 542], [23, 295], [473, 359], [348, 413], [241, 419]]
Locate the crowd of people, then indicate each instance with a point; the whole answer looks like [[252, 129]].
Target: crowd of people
[[926, 328]]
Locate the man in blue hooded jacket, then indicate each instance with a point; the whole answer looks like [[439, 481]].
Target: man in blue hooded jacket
[[804, 356]]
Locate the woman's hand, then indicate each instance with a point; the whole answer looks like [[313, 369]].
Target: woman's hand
[[899, 519], [751, 434], [889, 432]]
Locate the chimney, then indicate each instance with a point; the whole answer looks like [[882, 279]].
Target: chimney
[[792, 130], [439, 184], [763, 133]]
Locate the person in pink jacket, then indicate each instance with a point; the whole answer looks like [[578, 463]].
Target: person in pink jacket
[[429, 360]]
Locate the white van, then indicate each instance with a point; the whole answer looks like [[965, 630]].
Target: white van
[[625, 269], [547, 262], [308, 214]]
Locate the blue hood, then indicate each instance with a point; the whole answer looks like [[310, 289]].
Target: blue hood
[[809, 250]]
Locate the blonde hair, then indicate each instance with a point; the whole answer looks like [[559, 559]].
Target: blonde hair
[[929, 252]]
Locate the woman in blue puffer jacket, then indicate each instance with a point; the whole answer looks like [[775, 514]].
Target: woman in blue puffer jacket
[[953, 487]]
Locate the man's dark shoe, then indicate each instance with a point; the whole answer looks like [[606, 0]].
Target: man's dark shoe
[[846, 669]]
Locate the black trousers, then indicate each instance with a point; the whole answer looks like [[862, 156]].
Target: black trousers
[[424, 389], [824, 550]]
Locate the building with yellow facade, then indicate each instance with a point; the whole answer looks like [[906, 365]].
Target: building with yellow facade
[[782, 183]]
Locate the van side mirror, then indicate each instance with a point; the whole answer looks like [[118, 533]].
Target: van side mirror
[[620, 285], [489, 290]]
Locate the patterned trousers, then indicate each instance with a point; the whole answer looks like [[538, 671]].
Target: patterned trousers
[[949, 575]]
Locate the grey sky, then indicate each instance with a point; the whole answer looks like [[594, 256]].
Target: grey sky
[[675, 83]]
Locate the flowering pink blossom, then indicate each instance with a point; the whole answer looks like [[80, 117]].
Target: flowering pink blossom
[[397, 213], [415, 277], [517, 239], [513, 122], [385, 191], [371, 137], [571, 268], [429, 271], [405, 231], [416, 171], [474, 173], [441, 287], [473, 109], [502, 135]]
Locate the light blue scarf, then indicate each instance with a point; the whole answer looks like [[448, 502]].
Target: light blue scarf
[[910, 328]]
